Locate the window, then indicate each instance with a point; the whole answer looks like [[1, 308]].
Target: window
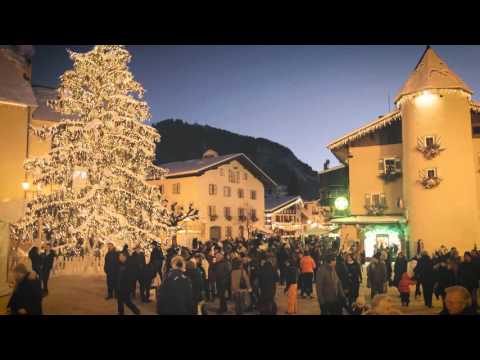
[[240, 193], [176, 188], [231, 176], [432, 173], [375, 200], [212, 211], [228, 213], [253, 194], [222, 172], [228, 231], [212, 189], [227, 191], [389, 166], [161, 189], [241, 212], [237, 177], [245, 176], [429, 141], [253, 214]]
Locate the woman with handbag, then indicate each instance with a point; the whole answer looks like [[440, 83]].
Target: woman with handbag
[[240, 286]]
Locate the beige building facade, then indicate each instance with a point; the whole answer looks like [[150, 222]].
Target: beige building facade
[[227, 190], [414, 173]]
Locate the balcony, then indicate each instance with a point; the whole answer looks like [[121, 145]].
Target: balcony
[[213, 217], [228, 217], [242, 218]]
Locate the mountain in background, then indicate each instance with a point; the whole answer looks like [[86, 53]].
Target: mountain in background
[[183, 141]]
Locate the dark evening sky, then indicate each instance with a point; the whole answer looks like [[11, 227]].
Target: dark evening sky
[[300, 96]]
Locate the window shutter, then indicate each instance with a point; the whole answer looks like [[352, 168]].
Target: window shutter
[[368, 200], [383, 200], [381, 167], [398, 165]]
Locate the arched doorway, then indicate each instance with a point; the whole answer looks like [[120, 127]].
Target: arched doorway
[[215, 233]]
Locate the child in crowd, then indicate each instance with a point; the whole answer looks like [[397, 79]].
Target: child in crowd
[[404, 288]]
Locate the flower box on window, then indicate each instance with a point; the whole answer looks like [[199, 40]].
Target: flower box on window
[[375, 204], [429, 146], [429, 178], [389, 169]]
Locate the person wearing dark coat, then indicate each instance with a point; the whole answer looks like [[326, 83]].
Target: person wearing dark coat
[[175, 294], [26, 298], [342, 272], [469, 277], [376, 275], [48, 258], [444, 278], [424, 273], [221, 272], [388, 266], [36, 260], [135, 264], [282, 257], [194, 273], [399, 268], [124, 286], [330, 295], [156, 259], [110, 268], [267, 279], [144, 276], [354, 274]]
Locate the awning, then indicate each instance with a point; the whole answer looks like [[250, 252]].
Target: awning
[[387, 219]]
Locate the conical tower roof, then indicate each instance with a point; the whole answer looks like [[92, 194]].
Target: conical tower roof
[[432, 72]]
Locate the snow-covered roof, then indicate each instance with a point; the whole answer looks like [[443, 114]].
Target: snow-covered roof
[[334, 168], [385, 219], [364, 130], [277, 202], [199, 166], [432, 72], [475, 106], [44, 112], [14, 88]]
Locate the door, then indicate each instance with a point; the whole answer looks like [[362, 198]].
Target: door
[[215, 233]]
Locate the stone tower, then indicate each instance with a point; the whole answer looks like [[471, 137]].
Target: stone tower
[[439, 167]]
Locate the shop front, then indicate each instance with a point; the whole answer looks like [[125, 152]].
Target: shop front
[[374, 233]]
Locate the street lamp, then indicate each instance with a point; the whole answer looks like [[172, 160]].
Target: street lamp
[[341, 203], [25, 185]]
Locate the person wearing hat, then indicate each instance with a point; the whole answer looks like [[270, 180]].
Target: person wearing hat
[[26, 298]]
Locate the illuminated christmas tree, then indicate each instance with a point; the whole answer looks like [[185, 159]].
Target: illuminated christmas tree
[[101, 155]]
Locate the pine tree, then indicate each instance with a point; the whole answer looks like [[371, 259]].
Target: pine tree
[[102, 153]]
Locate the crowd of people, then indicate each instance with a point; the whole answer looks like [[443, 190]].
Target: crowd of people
[[247, 273]]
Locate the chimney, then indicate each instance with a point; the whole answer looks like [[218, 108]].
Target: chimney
[[209, 154], [25, 53]]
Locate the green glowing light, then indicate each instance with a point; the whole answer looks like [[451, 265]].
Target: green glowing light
[[341, 203]]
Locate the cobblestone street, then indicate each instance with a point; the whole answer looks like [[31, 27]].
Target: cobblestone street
[[84, 295]]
